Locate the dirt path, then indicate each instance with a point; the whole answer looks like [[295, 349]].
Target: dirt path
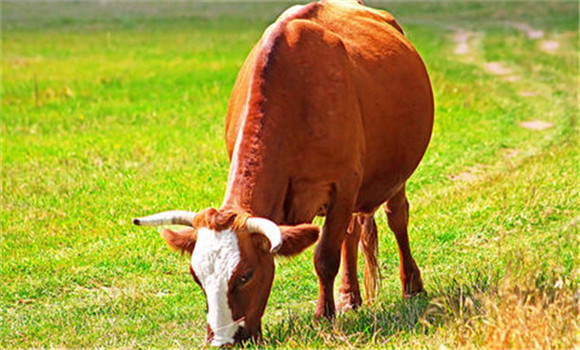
[[461, 39], [549, 46], [464, 46], [536, 125], [532, 33]]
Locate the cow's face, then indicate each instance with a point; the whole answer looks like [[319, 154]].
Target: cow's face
[[232, 259], [236, 275]]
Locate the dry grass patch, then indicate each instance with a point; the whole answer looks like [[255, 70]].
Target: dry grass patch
[[532, 319], [518, 314]]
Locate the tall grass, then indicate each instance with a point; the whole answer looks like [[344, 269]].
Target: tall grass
[[113, 110]]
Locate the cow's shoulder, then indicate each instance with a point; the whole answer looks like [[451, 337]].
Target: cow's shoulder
[[297, 28], [387, 17], [353, 9], [304, 31]]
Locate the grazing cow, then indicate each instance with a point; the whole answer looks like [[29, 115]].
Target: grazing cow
[[330, 115]]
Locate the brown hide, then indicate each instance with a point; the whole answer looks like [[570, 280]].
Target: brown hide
[[334, 102], [331, 113]]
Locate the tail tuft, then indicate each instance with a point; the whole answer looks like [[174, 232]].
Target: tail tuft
[[369, 245]]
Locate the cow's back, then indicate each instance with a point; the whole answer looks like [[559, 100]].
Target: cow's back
[[394, 93], [332, 94]]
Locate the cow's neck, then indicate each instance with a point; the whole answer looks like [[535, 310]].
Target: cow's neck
[[255, 186], [256, 182]]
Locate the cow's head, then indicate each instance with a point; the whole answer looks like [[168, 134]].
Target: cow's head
[[232, 259]]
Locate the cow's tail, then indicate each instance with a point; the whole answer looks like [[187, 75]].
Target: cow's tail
[[369, 246]]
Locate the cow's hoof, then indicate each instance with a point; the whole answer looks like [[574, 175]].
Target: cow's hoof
[[321, 316], [421, 291], [412, 284], [348, 301]]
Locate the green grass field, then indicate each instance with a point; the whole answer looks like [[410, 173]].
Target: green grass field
[[115, 110]]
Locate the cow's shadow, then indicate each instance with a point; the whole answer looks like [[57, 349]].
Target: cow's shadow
[[383, 319]]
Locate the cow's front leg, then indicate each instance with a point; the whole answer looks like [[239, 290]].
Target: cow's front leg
[[327, 256]]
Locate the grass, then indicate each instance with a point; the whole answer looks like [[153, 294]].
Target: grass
[[113, 110]]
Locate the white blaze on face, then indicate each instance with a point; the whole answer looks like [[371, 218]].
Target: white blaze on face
[[214, 259]]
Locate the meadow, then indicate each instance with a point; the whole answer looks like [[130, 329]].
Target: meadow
[[112, 110]]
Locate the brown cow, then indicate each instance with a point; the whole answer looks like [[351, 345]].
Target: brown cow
[[331, 113]]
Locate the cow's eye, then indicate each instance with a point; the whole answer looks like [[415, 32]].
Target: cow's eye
[[246, 277]]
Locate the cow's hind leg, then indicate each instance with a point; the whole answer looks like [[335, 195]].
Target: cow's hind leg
[[363, 230], [349, 292], [397, 209]]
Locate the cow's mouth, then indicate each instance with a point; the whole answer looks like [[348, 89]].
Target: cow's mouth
[[240, 337], [243, 335]]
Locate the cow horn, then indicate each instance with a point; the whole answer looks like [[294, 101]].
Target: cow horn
[[268, 229], [173, 217]]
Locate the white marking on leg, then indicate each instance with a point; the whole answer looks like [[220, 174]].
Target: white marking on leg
[[214, 259]]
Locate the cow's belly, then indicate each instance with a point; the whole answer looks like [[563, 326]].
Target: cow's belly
[[305, 200], [393, 153], [397, 115], [372, 195]]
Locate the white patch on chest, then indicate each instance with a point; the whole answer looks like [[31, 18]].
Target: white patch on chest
[[214, 259]]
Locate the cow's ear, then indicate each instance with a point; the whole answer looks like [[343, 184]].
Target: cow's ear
[[297, 238], [182, 240]]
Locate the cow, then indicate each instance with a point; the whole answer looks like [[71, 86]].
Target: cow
[[331, 113]]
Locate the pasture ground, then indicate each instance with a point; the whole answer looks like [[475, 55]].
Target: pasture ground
[[114, 110]]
